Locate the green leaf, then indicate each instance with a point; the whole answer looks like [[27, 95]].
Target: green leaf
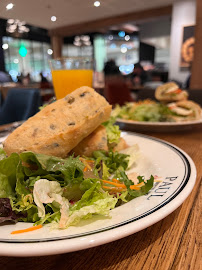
[[148, 184], [6, 190], [113, 132], [113, 160], [71, 168], [8, 167], [2, 154]]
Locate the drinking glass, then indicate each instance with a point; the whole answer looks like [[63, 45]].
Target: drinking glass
[[70, 73]]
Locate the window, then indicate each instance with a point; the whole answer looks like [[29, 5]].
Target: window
[[26, 56]]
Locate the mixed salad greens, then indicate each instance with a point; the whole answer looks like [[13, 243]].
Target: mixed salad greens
[[45, 189], [148, 111]]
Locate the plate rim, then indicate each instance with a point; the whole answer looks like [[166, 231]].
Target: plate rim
[[158, 124], [95, 239]]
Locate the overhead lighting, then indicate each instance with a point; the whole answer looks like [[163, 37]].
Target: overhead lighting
[[83, 40], [9, 6], [49, 51], [124, 49], [5, 46], [97, 3], [16, 27], [127, 37], [122, 34], [53, 18]]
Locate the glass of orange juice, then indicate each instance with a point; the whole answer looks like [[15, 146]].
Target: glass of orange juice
[[68, 74]]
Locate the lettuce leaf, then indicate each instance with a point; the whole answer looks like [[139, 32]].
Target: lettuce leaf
[[113, 132], [93, 201], [148, 184], [113, 160], [50, 192], [8, 168], [71, 168]]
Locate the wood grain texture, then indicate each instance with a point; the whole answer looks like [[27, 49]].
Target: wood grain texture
[[171, 244]]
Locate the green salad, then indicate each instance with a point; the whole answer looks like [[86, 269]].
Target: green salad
[[146, 112], [44, 189]]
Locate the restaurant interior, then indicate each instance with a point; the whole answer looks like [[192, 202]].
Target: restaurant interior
[[134, 47]]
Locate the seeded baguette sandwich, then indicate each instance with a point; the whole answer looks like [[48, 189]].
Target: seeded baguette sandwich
[[185, 110], [60, 126], [97, 140], [169, 92]]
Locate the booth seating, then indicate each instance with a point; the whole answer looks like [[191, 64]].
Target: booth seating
[[20, 104]]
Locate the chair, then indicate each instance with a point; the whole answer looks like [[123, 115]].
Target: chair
[[20, 104]]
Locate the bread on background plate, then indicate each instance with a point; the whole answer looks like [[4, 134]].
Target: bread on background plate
[[186, 110], [60, 126], [169, 92]]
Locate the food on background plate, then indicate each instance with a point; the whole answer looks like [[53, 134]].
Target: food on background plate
[[169, 92], [83, 175], [172, 106], [185, 110], [145, 111]]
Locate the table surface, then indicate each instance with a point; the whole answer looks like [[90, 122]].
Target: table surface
[[172, 243]]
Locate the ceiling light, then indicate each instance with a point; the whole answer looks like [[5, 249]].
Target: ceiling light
[[121, 34], [83, 40], [127, 37], [49, 51], [16, 27], [97, 3], [5, 46], [9, 6], [124, 49], [53, 18]]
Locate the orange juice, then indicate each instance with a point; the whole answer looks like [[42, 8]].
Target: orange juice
[[66, 81]]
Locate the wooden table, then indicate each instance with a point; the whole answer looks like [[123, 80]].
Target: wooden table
[[172, 243]]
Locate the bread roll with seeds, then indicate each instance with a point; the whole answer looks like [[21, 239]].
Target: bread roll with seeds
[[97, 140], [60, 126]]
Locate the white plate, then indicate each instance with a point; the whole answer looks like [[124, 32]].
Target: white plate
[[157, 157], [138, 126]]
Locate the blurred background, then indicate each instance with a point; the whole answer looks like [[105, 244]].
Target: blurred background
[[146, 42]]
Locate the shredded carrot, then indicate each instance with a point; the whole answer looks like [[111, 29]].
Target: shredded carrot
[[134, 187], [33, 228], [121, 187], [116, 181], [85, 169], [115, 189], [114, 184]]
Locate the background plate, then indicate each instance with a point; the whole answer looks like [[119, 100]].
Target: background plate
[[137, 126]]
